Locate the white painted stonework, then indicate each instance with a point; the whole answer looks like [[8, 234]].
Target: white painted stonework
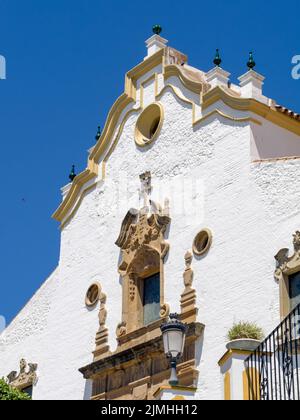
[[250, 205]]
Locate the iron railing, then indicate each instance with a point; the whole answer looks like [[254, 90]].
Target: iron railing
[[273, 370]]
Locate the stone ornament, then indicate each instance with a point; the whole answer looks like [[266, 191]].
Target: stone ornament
[[286, 266], [164, 311], [143, 249], [188, 297], [26, 377], [202, 242], [102, 347], [121, 329]]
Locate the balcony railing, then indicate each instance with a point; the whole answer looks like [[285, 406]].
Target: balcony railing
[[274, 368]]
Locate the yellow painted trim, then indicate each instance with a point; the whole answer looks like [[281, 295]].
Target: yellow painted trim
[[173, 70], [112, 120], [154, 77], [103, 146], [145, 66], [73, 194], [231, 353], [227, 387], [141, 140], [180, 96], [127, 98], [251, 105], [178, 398], [116, 141], [213, 112], [228, 117], [255, 392], [83, 194], [174, 388]]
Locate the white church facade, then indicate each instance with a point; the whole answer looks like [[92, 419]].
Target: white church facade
[[190, 191]]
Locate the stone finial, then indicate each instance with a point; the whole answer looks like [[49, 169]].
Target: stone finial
[[157, 29], [98, 135], [188, 274], [217, 59], [72, 175], [188, 297], [102, 346], [251, 63]]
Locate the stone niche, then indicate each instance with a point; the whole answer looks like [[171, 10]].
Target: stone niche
[[136, 373]]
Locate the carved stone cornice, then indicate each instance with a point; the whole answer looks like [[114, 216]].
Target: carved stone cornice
[[25, 378], [136, 353]]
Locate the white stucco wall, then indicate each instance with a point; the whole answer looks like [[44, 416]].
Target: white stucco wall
[[252, 210]]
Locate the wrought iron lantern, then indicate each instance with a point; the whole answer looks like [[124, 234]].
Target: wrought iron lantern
[[174, 333]]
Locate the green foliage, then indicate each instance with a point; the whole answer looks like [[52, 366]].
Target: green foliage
[[7, 393], [245, 330]]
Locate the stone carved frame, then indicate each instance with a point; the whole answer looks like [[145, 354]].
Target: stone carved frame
[[143, 247], [287, 266]]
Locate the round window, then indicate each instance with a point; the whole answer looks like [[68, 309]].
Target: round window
[[149, 124], [202, 242], [92, 295]]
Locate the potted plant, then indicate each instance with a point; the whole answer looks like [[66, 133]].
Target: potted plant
[[7, 393], [244, 336]]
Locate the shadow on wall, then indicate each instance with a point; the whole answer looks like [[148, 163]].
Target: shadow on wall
[[88, 390]]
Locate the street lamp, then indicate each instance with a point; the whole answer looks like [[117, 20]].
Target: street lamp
[[174, 333]]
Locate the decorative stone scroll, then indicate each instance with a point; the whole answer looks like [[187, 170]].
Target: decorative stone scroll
[[102, 347], [25, 378], [188, 297], [286, 266]]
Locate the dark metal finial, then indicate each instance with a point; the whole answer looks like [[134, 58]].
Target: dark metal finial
[[98, 135], [72, 175], [217, 60], [251, 63], [157, 29]]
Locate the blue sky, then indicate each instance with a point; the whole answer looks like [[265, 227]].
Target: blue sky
[[66, 61]]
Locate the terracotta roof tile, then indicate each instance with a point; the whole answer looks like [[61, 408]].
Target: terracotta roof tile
[[288, 112]]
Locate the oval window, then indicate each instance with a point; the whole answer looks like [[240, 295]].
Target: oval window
[[202, 242], [149, 124], [92, 295]]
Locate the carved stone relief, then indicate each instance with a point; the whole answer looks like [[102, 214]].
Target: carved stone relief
[[286, 266], [188, 297], [25, 378], [102, 347], [143, 246]]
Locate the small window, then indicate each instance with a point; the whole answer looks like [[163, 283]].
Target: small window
[[294, 290], [92, 295], [151, 301], [202, 242], [149, 124]]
